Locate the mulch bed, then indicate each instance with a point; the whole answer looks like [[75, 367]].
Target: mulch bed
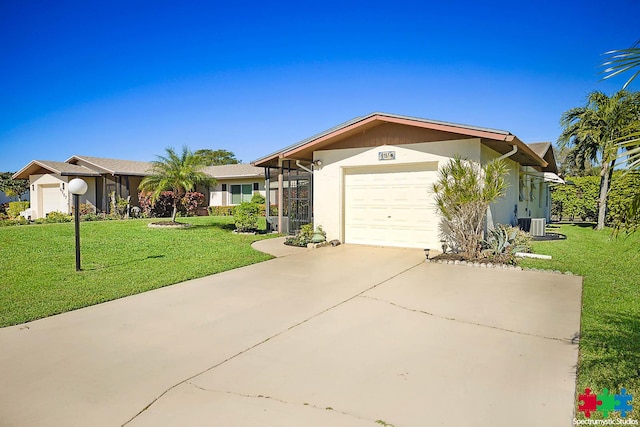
[[168, 224]]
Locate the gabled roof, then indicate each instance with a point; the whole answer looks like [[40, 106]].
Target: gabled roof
[[240, 170], [499, 140], [545, 151], [36, 167], [112, 166], [96, 166]]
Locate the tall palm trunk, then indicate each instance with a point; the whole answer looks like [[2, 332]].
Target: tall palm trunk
[[175, 212], [605, 179]]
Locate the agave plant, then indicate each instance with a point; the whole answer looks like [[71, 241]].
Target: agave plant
[[503, 240]]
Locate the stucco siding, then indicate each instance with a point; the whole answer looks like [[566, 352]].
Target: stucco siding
[[503, 210], [329, 178]]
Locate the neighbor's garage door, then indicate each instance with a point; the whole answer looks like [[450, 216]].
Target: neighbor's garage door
[[50, 198], [391, 206]]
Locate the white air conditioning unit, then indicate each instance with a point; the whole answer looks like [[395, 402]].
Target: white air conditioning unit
[[537, 227]]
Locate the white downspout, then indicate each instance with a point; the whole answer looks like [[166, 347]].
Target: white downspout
[[303, 167], [510, 153]]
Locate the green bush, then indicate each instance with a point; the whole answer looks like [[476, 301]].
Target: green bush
[[579, 200], [246, 216], [304, 236], [15, 208], [10, 222], [220, 210], [56, 217], [624, 188], [258, 198]]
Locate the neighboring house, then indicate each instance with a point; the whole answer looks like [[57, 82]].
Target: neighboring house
[[369, 180], [49, 182], [236, 184]]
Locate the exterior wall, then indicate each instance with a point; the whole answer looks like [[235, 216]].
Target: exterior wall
[[328, 197], [223, 198], [63, 202], [536, 203], [503, 210]]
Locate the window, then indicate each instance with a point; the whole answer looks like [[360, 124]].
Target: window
[[256, 186], [224, 187], [241, 193]]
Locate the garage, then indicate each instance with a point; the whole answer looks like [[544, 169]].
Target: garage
[[51, 195], [390, 205]]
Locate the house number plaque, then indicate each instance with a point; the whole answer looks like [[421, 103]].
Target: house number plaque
[[386, 155]]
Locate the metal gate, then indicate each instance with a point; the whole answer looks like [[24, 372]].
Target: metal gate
[[299, 204]]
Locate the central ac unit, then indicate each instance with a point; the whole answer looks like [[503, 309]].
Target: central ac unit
[[537, 227]]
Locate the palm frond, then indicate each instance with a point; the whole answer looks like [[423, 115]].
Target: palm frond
[[620, 61]]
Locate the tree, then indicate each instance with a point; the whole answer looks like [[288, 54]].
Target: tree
[[13, 187], [621, 61], [176, 173], [464, 191], [595, 130], [573, 163], [217, 157]]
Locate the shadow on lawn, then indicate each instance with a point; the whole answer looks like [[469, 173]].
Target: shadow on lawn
[[611, 351]]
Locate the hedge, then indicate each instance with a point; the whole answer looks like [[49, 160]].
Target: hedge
[[579, 200], [15, 208]]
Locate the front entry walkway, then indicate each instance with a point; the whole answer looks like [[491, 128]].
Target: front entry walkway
[[344, 336]]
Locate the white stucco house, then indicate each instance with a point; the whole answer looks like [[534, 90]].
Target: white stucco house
[[368, 180], [49, 183]]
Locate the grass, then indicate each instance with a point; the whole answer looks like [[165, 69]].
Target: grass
[[610, 330], [119, 258]]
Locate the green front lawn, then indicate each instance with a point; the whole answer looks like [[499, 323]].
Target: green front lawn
[[610, 332], [119, 258]]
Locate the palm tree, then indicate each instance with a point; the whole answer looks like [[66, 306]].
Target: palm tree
[[463, 193], [595, 130], [176, 173], [621, 61]]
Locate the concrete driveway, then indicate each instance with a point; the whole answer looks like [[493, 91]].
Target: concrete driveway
[[345, 336]]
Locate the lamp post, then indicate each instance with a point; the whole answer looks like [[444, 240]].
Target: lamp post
[[77, 187]]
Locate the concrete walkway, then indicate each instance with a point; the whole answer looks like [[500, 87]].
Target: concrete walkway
[[342, 336]]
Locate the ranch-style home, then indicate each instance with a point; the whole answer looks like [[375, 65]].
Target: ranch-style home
[[49, 183], [369, 180]]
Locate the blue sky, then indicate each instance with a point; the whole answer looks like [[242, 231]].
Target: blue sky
[[126, 79]]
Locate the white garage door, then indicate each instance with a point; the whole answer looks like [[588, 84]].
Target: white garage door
[[50, 198], [391, 206]]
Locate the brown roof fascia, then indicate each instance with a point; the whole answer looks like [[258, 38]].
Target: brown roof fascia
[[477, 133], [524, 147]]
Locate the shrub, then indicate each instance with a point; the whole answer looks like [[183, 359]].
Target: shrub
[[15, 208], [246, 216], [92, 216], [56, 217], [258, 198], [191, 202], [503, 242], [463, 192], [220, 210], [3, 208], [162, 208], [10, 222], [578, 200], [304, 236], [624, 188]]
